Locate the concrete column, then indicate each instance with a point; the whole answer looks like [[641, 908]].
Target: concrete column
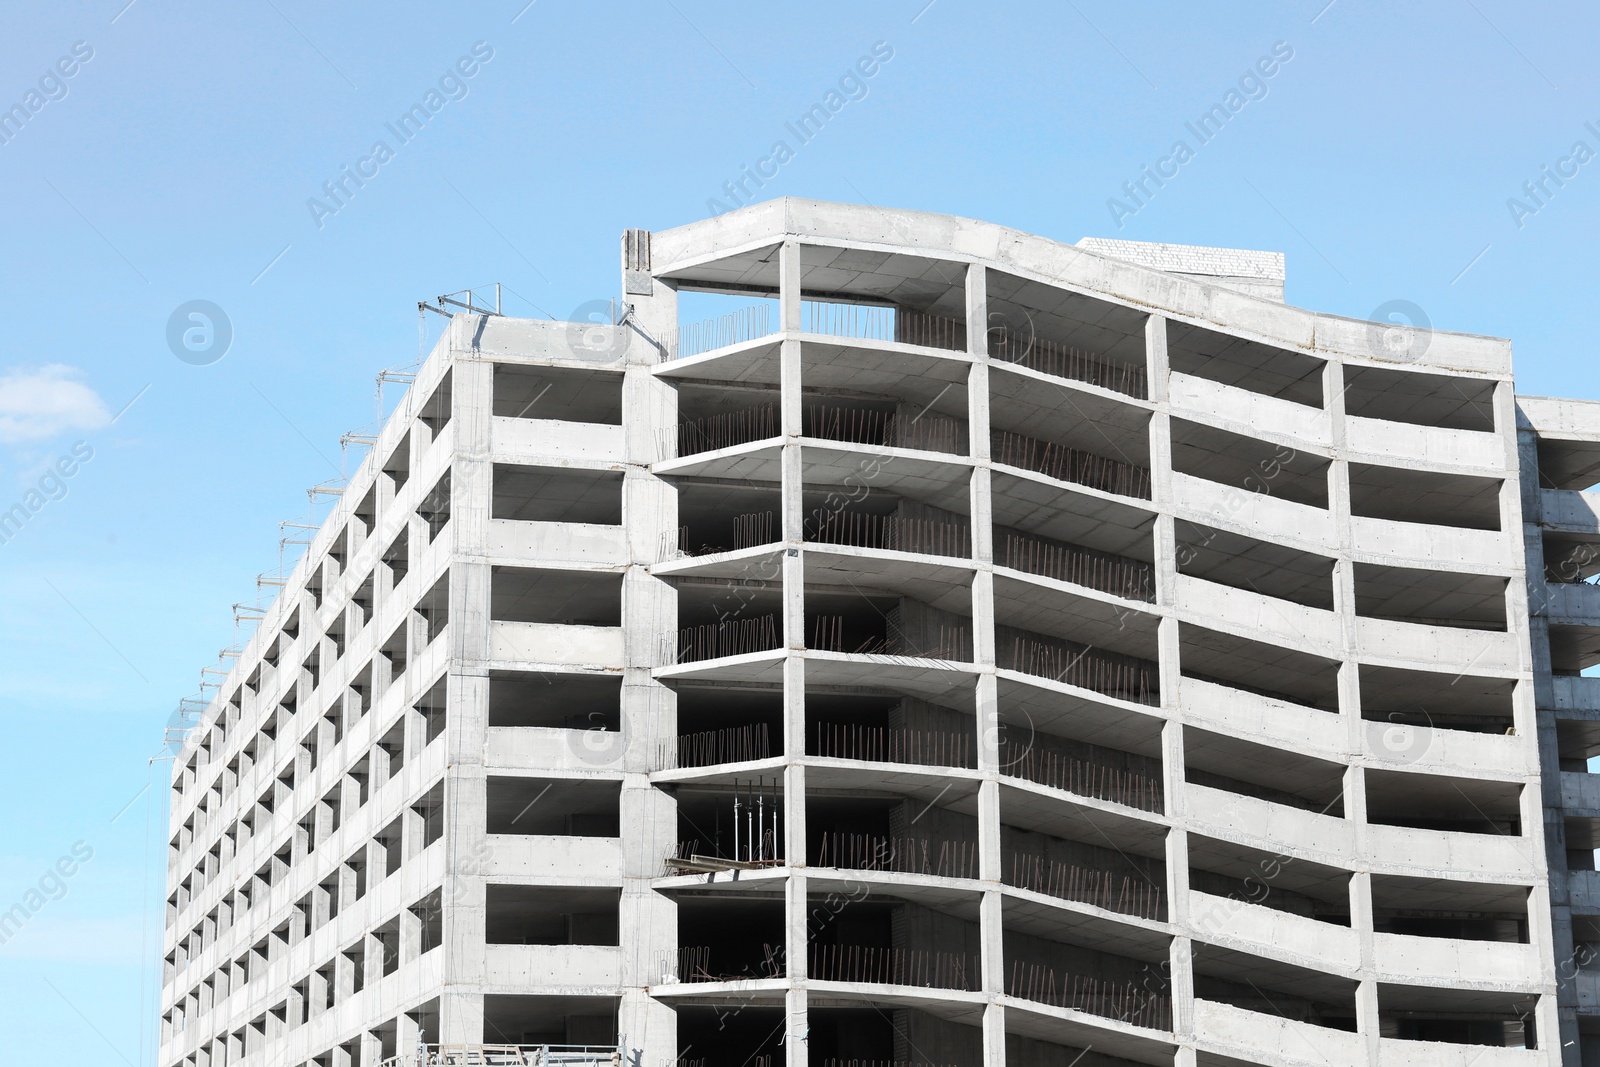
[[371, 1049], [319, 993], [994, 1035], [647, 919], [373, 960], [410, 943], [405, 1036]]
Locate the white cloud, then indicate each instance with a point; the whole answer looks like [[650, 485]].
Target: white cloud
[[36, 405]]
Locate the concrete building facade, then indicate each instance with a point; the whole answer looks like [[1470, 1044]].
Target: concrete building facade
[[969, 650]]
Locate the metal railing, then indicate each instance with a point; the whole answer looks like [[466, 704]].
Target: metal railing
[[860, 426], [509, 1056], [902, 855], [887, 429], [891, 966], [1116, 575], [1065, 361], [1114, 675], [715, 640], [692, 963], [892, 533], [727, 429], [881, 744], [1125, 1001], [827, 635], [1087, 885], [746, 324], [867, 322], [754, 528], [707, 748], [1067, 464], [1082, 777]]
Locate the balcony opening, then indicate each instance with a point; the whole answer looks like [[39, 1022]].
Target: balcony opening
[[1399, 495], [1043, 966], [1267, 670], [1264, 772], [885, 296], [887, 422], [388, 938], [1436, 699], [1088, 770], [1570, 558], [1573, 649], [1024, 507], [740, 821], [860, 623], [722, 416], [1066, 334], [555, 807], [1024, 1048], [724, 939], [874, 1037], [1241, 562], [1273, 989], [744, 1033], [1099, 455], [397, 558], [722, 725], [566, 394], [895, 323], [1457, 1016], [435, 411], [880, 831], [1437, 802], [540, 699], [434, 508], [429, 810], [719, 618], [550, 915], [520, 1019], [884, 942], [568, 598], [1028, 613], [433, 709], [557, 494], [888, 522], [720, 517], [1443, 400], [1251, 365], [1431, 598], [398, 466], [391, 840], [888, 728], [1248, 875], [429, 912], [710, 320], [1572, 465], [1068, 662], [1438, 907], [1062, 561], [1099, 875], [1249, 463]]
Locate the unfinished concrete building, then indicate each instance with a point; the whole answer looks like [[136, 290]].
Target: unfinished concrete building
[[967, 650]]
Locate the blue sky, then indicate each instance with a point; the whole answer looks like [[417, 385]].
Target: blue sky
[[177, 161]]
